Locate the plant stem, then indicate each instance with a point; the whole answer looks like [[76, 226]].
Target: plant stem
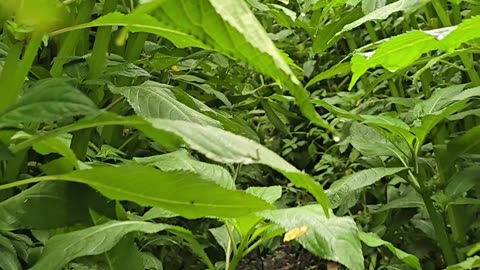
[[102, 40], [71, 40], [13, 75], [439, 226], [8, 73], [440, 230]]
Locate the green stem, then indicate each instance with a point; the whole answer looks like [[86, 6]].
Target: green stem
[[102, 40], [441, 13], [13, 75], [456, 14], [438, 223], [440, 230], [240, 250], [8, 73], [371, 32], [71, 41], [467, 60]]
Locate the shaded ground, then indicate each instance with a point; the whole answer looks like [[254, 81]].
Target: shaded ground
[[286, 257]]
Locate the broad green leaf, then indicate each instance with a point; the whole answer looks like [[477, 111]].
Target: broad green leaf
[[373, 240], [469, 263], [178, 192], [342, 189], [155, 100], [403, 50], [465, 143], [48, 100], [361, 137], [49, 206], [182, 161], [369, 6], [339, 70], [269, 194], [334, 238], [382, 13], [439, 99], [53, 145], [393, 125], [63, 248], [215, 143]]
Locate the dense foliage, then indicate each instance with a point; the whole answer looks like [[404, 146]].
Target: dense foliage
[[211, 134]]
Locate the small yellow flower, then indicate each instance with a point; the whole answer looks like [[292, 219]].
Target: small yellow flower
[[175, 68], [295, 233]]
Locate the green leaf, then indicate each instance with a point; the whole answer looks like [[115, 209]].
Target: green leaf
[[325, 37], [469, 263], [430, 121], [373, 240], [150, 262], [339, 70], [369, 6], [63, 248], [226, 147], [182, 161], [403, 50], [362, 137], [342, 189], [150, 187], [465, 143], [48, 100], [124, 255], [9, 260], [274, 118], [462, 182], [214, 143], [334, 238], [269, 194], [55, 145], [49, 206], [139, 22], [382, 13], [409, 200], [155, 100], [439, 99]]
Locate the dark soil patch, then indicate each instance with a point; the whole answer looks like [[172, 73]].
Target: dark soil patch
[[286, 257]]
